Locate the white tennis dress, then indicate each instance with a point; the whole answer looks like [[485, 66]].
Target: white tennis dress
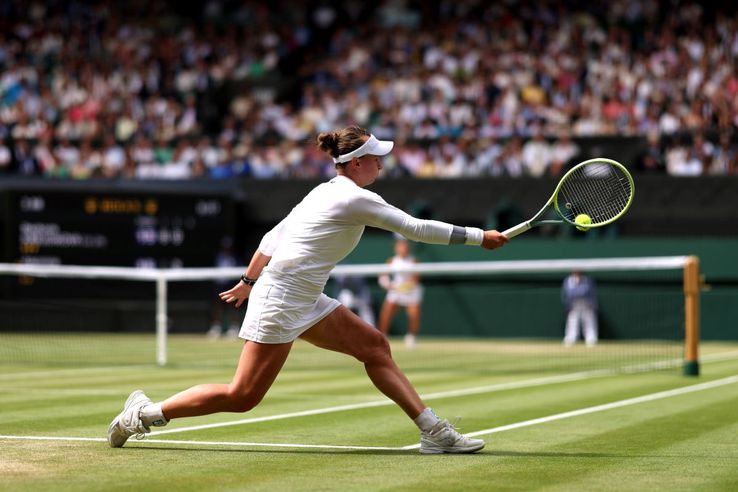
[[318, 233], [404, 290]]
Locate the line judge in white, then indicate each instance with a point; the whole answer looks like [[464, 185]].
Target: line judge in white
[[284, 284]]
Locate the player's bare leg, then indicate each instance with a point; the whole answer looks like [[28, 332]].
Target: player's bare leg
[[257, 369], [413, 317], [386, 315], [343, 331]]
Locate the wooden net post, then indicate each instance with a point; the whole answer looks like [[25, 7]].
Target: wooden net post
[[692, 316]]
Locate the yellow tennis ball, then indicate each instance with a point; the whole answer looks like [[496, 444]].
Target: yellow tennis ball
[[583, 219]]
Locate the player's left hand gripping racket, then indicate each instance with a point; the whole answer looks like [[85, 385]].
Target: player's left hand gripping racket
[[600, 188]]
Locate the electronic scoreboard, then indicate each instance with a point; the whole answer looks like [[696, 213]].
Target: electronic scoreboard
[[137, 229]]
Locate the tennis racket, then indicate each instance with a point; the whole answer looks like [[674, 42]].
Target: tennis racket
[[600, 188]]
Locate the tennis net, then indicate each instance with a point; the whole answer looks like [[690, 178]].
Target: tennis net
[[647, 317]]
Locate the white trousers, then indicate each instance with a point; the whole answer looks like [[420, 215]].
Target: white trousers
[[581, 313]]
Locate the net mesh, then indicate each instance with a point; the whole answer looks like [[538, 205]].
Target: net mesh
[[598, 189], [506, 311]]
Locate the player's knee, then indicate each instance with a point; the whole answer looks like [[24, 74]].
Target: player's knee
[[375, 348], [243, 400]]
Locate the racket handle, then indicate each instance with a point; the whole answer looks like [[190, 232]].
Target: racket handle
[[518, 229]]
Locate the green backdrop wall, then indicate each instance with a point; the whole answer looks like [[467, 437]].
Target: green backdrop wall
[[643, 306]]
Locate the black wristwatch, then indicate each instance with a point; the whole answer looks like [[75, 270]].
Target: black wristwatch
[[247, 281]]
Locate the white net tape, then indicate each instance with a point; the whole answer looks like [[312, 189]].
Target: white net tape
[[441, 268]]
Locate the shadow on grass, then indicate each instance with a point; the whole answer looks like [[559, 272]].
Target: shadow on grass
[[353, 452], [555, 454], [485, 454]]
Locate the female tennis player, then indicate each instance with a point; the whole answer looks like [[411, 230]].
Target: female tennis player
[[403, 289], [284, 284]]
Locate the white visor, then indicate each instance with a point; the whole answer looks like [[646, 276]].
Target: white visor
[[371, 146]]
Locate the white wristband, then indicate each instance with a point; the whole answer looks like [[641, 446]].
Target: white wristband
[[474, 236]]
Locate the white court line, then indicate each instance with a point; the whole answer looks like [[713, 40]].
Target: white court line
[[273, 445], [527, 423], [52, 438], [528, 383], [208, 443], [601, 408]]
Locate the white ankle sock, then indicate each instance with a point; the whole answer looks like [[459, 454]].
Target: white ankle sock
[[426, 420], [152, 415]]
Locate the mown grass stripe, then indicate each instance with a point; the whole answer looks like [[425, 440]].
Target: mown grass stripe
[[550, 418], [378, 403], [430, 396], [209, 443], [607, 406]]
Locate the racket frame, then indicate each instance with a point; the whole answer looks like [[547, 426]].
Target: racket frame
[[552, 204]]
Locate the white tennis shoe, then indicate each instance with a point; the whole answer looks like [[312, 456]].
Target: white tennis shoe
[[410, 341], [444, 438], [128, 422]]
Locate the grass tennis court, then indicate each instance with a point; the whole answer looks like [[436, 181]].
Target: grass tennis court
[[548, 424]]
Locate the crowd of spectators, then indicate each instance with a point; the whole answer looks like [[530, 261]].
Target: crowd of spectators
[[155, 89]]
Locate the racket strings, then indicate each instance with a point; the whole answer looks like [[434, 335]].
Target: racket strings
[[602, 197], [599, 190], [597, 197]]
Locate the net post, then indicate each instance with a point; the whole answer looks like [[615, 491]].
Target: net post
[[161, 320], [692, 316]]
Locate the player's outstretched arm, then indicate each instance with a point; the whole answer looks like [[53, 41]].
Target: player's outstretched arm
[[493, 239]]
